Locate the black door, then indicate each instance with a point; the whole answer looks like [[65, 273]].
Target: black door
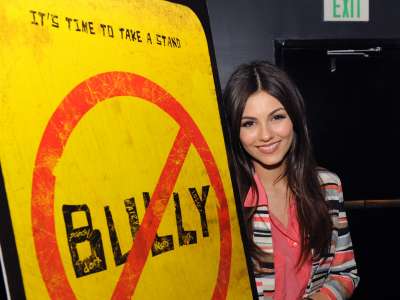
[[353, 102], [351, 90]]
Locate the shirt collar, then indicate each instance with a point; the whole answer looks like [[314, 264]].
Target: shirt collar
[[251, 198]]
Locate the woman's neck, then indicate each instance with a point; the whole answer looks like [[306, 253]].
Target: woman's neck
[[271, 177], [276, 188]]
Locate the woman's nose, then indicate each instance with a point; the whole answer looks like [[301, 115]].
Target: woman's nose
[[265, 132]]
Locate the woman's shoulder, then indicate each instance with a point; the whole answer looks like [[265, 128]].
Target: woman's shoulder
[[327, 177], [331, 186]]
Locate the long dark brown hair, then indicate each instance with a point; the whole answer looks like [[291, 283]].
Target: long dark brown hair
[[301, 171]]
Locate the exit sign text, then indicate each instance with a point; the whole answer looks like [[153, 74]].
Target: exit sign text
[[346, 10]]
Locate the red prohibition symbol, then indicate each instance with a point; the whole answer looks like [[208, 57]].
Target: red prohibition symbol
[[67, 115]]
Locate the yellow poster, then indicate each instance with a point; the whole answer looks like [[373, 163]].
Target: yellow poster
[[114, 166]]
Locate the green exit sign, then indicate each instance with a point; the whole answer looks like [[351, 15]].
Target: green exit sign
[[346, 10]]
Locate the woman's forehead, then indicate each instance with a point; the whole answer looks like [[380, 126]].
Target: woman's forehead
[[261, 102]]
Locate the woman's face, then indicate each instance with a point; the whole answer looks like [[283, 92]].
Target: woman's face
[[266, 131]]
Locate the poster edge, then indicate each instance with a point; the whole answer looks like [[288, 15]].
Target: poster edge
[[199, 8], [13, 281]]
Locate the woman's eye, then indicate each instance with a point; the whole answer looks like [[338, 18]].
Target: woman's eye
[[278, 117], [248, 124]]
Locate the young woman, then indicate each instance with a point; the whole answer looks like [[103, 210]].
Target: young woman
[[299, 238]]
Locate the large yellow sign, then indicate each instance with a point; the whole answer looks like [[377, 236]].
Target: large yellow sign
[[112, 153]]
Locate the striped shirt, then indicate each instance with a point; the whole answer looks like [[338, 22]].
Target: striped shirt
[[334, 275]]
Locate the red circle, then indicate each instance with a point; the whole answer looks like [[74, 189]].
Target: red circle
[[67, 115]]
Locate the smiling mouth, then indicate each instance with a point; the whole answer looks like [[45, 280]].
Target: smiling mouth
[[268, 149]]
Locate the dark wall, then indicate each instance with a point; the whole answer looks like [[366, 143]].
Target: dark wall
[[244, 30]]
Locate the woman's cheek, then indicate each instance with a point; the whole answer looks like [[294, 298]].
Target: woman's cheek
[[284, 129], [248, 135]]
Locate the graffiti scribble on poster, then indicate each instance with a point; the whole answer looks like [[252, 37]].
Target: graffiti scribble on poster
[[87, 26]]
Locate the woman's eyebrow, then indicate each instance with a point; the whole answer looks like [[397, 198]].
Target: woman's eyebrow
[[249, 118], [276, 110], [271, 113]]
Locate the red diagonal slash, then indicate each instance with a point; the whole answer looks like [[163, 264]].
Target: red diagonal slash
[[145, 236], [59, 128]]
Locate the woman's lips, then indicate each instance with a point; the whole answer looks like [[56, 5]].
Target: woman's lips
[[268, 148]]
